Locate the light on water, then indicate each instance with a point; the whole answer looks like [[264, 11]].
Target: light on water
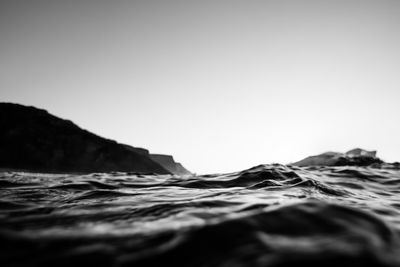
[[251, 218]]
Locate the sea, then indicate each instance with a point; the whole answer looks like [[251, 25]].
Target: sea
[[268, 215]]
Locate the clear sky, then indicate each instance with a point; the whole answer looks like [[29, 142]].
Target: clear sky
[[220, 85]]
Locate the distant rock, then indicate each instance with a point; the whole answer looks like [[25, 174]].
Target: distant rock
[[354, 157], [32, 139], [169, 163], [358, 152]]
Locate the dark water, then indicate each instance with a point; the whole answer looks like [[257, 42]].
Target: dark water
[[270, 215]]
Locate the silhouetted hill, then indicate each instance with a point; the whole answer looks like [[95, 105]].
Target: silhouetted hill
[[169, 163], [166, 161], [32, 139], [354, 157]]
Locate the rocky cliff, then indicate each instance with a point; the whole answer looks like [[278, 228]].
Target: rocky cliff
[[32, 139], [354, 157], [169, 163]]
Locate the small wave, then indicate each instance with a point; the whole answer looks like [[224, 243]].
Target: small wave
[[248, 178], [87, 185], [100, 194], [300, 234], [268, 215], [10, 184]]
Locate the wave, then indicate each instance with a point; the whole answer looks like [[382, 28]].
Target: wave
[[309, 233], [268, 215]]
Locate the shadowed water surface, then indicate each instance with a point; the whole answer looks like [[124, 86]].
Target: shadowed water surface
[[269, 215]]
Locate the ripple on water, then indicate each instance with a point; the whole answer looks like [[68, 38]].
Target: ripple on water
[[268, 215]]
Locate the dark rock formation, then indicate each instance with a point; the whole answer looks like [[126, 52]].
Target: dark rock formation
[[34, 140], [358, 152], [354, 157], [169, 163], [166, 161]]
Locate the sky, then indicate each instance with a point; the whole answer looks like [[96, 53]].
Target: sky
[[220, 85]]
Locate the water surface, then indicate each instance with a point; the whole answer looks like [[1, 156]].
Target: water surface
[[269, 215]]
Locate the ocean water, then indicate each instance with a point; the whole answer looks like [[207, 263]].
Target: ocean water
[[269, 215]]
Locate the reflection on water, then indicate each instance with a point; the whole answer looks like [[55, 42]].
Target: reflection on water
[[269, 215]]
